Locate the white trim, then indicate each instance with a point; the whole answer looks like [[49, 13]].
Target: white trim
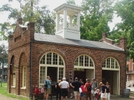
[[23, 88], [58, 65], [13, 86]]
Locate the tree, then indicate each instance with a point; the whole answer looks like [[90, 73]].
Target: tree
[[124, 9], [3, 54], [96, 15], [29, 11]]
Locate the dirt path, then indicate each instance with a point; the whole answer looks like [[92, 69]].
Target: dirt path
[[2, 97]]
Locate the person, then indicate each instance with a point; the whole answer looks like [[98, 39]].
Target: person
[[71, 91], [87, 92], [97, 94], [33, 95], [76, 85], [103, 91], [108, 90], [81, 81], [82, 92], [58, 91], [36, 92], [94, 86], [43, 91], [47, 83], [64, 85]]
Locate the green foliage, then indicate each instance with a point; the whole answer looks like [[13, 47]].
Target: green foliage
[[124, 9], [29, 11], [3, 91], [96, 15], [3, 54]]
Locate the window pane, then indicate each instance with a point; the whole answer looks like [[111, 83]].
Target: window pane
[[91, 63], [55, 58], [76, 62], [42, 74], [116, 65], [86, 61], [108, 63], [49, 55], [112, 63], [60, 72], [43, 60], [81, 60], [60, 61], [24, 77]]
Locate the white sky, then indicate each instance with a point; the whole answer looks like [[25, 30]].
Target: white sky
[[52, 4]]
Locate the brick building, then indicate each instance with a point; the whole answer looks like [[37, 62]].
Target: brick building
[[130, 73], [33, 56]]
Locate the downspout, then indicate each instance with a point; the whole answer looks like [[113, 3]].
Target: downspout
[[30, 85], [31, 54], [31, 29]]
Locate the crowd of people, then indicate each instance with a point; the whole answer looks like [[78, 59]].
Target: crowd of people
[[76, 89]]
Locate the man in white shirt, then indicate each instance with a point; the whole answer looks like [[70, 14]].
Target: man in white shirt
[[64, 85]]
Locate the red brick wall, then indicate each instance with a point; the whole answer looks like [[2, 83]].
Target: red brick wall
[[69, 53]]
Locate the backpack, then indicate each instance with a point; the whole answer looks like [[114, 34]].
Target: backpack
[[45, 85], [89, 87]]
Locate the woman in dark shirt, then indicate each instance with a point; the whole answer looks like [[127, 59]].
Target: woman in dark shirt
[[108, 90], [103, 91], [58, 90]]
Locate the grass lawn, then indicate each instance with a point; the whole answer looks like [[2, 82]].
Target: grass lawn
[[3, 91]]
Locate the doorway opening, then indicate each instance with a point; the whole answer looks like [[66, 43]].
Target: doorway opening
[[52, 72], [112, 77]]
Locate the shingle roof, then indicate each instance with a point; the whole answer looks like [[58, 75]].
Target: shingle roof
[[81, 43]]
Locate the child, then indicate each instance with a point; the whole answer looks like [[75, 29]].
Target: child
[[36, 92], [42, 90], [82, 92], [97, 94]]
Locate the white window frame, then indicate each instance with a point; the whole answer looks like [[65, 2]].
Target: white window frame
[[45, 65], [104, 65], [83, 62], [24, 71]]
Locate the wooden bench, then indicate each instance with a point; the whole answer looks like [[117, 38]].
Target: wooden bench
[[39, 96]]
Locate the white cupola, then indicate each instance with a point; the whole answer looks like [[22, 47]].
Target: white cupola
[[68, 21]]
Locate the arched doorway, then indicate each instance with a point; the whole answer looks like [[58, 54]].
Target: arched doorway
[[84, 67], [111, 74], [53, 65]]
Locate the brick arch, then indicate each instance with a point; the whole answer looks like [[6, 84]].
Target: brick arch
[[11, 63], [12, 59], [23, 61]]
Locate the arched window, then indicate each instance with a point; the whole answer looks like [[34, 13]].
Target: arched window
[[54, 61], [51, 59], [110, 63], [84, 61]]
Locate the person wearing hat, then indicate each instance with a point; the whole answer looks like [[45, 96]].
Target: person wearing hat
[[103, 91], [64, 85], [94, 86]]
